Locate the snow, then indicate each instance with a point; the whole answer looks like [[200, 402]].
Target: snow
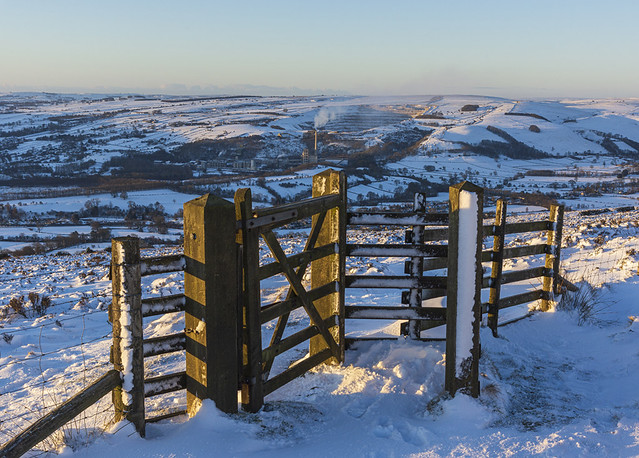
[[550, 385], [466, 278]]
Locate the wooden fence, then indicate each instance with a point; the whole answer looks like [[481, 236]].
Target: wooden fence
[[224, 314]]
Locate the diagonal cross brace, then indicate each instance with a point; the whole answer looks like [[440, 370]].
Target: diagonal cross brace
[[301, 270], [297, 286]]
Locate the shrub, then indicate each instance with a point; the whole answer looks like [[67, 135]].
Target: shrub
[[586, 303], [37, 305]]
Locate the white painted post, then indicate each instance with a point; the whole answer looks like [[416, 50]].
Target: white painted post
[[463, 314]]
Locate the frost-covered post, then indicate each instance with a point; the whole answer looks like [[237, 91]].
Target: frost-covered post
[[497, 266], [553, 252], [331, 268], [463, 314], [211, 307], [126, 316], [416, 266]]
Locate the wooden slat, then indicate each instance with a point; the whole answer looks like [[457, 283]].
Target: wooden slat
[[270, 352], [162, 264], [521, 251], [166, 416], [165, 344], [272, 311], [434, 235], [389, 281], [58, 417], [296, 260], [520, 275], [265, 219], [164, 384], [380, 250], [396, 219], [161, 305], [534, 226], [296, 370], [516, 252], [523, 298], [395, 313]]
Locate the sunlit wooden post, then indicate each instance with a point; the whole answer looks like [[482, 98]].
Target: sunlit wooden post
[[463, 314], [331, 268], [126, 316], [553, 254], [497, 265], [211, 308]]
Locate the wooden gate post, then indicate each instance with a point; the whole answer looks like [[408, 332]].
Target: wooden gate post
[[463, 314], [252, 383], [497, 266], [553, 252], [126, 316], [416, 266], [331, 268], [211, 311]]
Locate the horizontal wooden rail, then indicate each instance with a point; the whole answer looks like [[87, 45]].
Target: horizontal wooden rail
[[396, 219], [164, 384], [522, 298], [428, 264], [380, 250], [161, 305], [526, 274], [164, 344], [296, 370], [272, 217], [162, 264], [296, 260], [269, 353], [533, 226], [389, 281], [395, 313], [166, 416], [516, 252], [426, 294], [61, 415], [277, 309], [519, 275], [435, 234]]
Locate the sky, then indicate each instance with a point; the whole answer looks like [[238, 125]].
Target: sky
[[534, 48]]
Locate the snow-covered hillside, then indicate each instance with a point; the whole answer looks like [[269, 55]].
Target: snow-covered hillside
[[559, 383]]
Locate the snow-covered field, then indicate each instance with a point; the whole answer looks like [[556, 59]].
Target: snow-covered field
[[561, 383]]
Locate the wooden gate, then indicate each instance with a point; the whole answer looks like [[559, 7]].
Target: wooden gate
[[323, 302], [423, 227]]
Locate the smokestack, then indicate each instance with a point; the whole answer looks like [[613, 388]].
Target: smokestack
[[315, 149]]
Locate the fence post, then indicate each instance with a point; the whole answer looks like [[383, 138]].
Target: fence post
[[331, 268], [248, 238], [416, 266], [553, 252], [211, 309], [497, 266], [463, 314], [126, 316]]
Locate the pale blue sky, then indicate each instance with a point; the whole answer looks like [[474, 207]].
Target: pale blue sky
[[509, 48]]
